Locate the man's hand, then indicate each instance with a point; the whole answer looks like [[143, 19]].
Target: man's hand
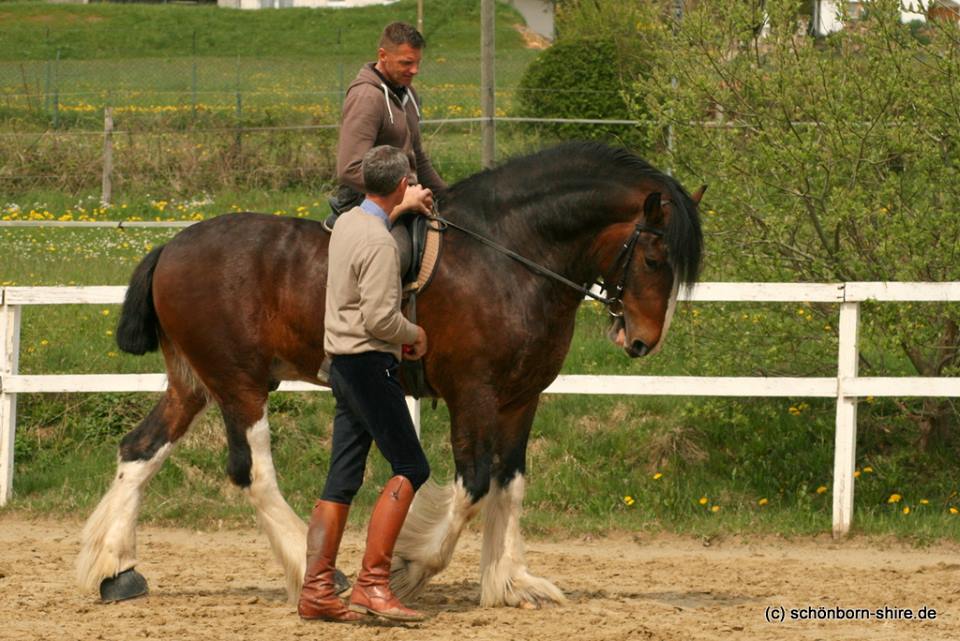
[[416, 351], [416, 198]]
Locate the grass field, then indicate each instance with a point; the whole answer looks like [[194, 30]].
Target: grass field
[[596, 463]]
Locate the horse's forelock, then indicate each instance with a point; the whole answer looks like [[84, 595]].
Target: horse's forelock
[[684, 236]]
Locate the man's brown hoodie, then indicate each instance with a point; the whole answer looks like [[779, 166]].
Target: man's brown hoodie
[[374, 115]]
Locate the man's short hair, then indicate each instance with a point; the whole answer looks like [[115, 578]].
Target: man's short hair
[[382, 169], [401, 33]]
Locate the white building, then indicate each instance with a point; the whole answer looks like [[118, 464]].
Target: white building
[[827, 15], [286, 4]]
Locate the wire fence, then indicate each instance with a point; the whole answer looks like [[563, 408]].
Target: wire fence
[[208, 119]]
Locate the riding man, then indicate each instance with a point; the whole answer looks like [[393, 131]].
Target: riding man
[[365, 335], [382, 108]]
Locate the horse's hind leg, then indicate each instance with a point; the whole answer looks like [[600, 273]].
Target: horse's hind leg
[[504, 579], [108, 548], [250, 467]]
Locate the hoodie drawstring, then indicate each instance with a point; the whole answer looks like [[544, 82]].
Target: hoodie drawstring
[[386, 99]]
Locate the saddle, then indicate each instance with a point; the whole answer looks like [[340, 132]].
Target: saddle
[[419, 241]]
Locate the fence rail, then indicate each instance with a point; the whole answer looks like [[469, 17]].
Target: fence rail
[[846, 387]]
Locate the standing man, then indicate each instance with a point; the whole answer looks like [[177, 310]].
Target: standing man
[[365, 334], [382, 108]]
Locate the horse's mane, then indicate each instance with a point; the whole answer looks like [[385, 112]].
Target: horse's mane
[[561, 191]]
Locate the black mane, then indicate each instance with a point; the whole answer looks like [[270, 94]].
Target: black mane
[[571, 188]]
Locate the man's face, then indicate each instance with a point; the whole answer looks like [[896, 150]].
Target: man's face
[[399, 64]]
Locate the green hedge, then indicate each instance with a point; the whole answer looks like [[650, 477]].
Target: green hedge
[[577, 79]]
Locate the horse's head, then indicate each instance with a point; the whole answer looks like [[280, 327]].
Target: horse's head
[[648, 257]]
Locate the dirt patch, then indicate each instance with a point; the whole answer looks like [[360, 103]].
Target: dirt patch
[[532, 39], [225, 585]]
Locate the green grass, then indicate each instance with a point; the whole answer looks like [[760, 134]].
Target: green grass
[[278, 61], [586, 453]]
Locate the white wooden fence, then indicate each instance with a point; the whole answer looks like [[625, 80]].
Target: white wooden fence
[[846, 386]]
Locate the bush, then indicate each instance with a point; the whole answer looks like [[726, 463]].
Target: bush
[[577, 79]]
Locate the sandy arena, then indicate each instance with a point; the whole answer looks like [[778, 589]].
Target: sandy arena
[[225, 585]]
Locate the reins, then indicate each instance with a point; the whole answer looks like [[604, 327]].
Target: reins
[[626, 251]]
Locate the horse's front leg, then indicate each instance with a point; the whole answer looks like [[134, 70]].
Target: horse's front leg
[[504, 577]]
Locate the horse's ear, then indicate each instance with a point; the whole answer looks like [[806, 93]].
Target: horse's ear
[[652, 212], [697, 196]]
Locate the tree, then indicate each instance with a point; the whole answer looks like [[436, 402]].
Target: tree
[[832, 159]]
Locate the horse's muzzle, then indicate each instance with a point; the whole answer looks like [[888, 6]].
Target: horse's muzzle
[[637, 349]]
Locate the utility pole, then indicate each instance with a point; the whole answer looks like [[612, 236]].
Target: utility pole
[[487, 105], [677, 17]]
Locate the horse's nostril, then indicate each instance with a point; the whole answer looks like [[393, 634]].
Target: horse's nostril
[[639, 348]]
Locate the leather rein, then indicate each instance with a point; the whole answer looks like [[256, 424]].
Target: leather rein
[[614, 303]]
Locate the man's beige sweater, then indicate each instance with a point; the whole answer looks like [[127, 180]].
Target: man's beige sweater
[[364, 289]]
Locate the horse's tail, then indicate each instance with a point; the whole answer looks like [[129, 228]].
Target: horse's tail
[[138, 330]]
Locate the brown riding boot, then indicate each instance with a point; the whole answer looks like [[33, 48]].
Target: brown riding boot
[[371, 591], [318, 598]]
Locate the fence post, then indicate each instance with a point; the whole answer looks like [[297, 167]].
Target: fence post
[[106, 192], [487, 82], [845, 448], [9, 357]]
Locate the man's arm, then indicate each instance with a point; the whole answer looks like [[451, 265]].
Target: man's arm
[[426, 174], [377, 279], [362, 115]]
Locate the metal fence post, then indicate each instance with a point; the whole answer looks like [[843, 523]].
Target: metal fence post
[[487, 82], [845, 448], [9, 358], [106, 184]]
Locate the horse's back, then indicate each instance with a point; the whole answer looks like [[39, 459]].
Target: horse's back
[[249, 284]]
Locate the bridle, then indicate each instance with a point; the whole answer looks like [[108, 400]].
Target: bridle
[[614, 303]]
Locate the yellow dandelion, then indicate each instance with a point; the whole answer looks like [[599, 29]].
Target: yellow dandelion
[[894, 498], [822, 489], [104, 312], [856, 474], [715, 508], [657, 476], [762, 502], [111, 354], [954, 510], [924, 502], [44, 342], [109, 332], [703, 500], [906, 509], [868, 470], [628, 500]]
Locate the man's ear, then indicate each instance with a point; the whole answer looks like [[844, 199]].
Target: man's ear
[[402, 186]]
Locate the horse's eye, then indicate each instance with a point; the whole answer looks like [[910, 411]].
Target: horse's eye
[[651, 263]]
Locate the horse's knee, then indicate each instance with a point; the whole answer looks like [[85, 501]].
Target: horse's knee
[[476, 481], [239, 454]]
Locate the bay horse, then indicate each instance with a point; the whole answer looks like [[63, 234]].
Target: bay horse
[[236, 304]]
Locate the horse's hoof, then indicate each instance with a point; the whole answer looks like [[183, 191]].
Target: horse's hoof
[[340, 581], [129, 584]]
